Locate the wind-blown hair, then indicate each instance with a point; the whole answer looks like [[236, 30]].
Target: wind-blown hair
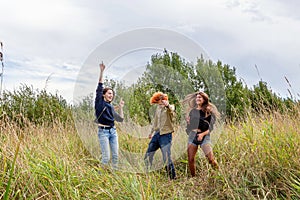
[[207, 106]]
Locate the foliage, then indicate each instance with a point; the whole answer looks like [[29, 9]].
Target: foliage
[[263, 99], [29, 105], [168, 73], [237, 101], [165, 73], [171, 74]]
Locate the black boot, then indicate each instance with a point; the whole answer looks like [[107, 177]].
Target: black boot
[[171, 171]]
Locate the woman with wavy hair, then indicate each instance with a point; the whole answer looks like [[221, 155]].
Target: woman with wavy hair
[[201, 117]]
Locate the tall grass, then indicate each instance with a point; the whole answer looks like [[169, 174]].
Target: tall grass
[[258, 159]]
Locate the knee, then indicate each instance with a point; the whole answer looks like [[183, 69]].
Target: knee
[[210, 155], [191, 154], [210, 161]]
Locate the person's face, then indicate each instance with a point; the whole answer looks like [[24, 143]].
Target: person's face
[[199, 100], [160, 103], [108, 96]]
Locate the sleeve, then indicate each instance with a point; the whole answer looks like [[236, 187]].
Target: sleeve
[[99, 102], [171, 111], [99, 95], [188, 126], [212, 122], [117, 117], [155, 122]]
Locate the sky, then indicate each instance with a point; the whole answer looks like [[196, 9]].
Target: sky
[[46, 43]]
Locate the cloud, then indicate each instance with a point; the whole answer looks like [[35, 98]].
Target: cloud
[[266, 10], [43, 38]]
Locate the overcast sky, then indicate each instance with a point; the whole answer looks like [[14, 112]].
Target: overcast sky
[[52, 39]]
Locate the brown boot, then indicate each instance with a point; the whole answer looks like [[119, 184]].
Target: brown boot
[[212, 161]]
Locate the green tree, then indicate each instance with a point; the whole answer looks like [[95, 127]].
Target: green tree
[[264, 100], [29, 105], [238, 100]]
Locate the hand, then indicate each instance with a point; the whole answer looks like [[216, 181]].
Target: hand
[[200, 137], [165, 102], [121, 103], [150, 135], [102, 66], [187, 118]]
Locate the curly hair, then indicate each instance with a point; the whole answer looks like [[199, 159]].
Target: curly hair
[[157, 96]]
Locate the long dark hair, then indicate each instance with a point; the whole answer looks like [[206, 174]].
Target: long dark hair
[[207, 106]]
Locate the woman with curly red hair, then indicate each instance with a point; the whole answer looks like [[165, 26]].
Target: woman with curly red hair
[[161, 132]]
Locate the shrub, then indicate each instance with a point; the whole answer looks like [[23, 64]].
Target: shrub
[[29, 105]]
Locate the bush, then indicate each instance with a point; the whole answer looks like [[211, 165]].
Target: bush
[[28, 105]]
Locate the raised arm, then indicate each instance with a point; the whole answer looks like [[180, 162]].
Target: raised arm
[[171, 108], [119, 117], [102, 67]]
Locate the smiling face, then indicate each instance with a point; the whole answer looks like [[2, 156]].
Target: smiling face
[[199, 100], [108, 95]]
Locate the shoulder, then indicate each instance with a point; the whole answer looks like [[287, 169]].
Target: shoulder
[[193, 110]]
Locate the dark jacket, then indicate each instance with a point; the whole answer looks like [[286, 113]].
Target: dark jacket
[[104, 111]]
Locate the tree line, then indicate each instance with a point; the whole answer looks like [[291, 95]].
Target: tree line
[[166, 72]]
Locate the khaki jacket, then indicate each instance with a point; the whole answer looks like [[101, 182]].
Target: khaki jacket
[[164, 119]]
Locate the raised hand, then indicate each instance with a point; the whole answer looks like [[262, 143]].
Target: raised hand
[[121, 103], [165, 102], [102, 66]]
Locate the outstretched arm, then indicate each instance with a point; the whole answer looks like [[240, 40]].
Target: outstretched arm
[[102, 67]]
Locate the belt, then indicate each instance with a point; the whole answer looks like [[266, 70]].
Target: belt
[[106, 127]]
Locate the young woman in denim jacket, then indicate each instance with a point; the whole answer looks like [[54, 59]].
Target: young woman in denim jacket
[[161, 132], [200, 121], [106, 117]]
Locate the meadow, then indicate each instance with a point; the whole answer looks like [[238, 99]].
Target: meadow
[[258, 159]]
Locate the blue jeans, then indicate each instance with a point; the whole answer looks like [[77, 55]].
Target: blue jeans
[[163, 142], [108, 139]]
